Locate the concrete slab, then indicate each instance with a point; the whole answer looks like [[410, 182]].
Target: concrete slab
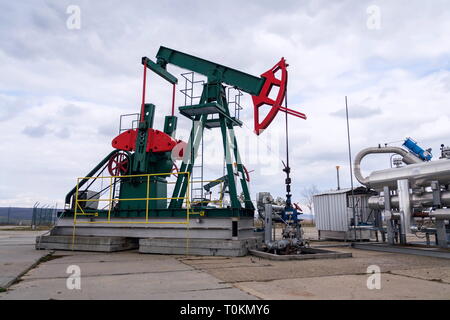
[[265, 270], [86, 243], [433, 274], [407, 249], [154, 277], [202, 247], [347, 287], [17, 254], [57, 268]]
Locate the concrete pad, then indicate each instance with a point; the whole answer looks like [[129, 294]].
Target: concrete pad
[[17, 255], [347, 287], [86, 256], [207, 263], [84, 243], [433, 274], [120, 275], [201, 247], [57, 268], [188, 284], [315, 268]]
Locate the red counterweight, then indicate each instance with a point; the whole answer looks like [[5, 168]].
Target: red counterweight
[[157, 141], [264, 99]]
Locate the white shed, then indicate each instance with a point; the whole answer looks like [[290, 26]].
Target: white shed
[[334, 213]]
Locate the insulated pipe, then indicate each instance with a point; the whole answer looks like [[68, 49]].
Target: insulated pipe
[[404, 206], [417, 200], [407, 158], [441, 214]]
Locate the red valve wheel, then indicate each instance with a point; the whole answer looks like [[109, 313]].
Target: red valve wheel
[[118, 164]]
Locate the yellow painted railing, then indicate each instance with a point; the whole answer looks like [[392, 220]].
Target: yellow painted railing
[[147, 199]]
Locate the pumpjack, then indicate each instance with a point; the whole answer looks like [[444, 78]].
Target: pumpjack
[[144, 158]]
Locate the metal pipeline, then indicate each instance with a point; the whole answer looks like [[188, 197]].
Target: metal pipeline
[[417, 200], [407, 158], [441, 214], [418, 172]]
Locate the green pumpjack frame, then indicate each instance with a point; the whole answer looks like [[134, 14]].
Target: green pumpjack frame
[[212, 103]]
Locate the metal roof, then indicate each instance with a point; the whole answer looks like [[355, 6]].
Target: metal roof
[[357, 190]]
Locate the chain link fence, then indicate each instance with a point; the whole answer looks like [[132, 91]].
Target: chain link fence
[[39, 215]]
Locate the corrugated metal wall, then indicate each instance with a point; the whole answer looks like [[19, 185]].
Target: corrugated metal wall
[[331, 212]]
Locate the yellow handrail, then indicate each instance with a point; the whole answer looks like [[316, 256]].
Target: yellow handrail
[[147, 199]]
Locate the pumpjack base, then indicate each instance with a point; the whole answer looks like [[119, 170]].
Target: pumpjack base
[[197, 228], [201, 247], [201, 236], [86, 243]]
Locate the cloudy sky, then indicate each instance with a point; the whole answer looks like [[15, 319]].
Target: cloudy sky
[[62, 89]]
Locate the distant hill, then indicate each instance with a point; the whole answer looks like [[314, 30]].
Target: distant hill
[[23, 216]]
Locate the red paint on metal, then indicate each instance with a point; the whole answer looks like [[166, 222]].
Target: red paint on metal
[[178, 150], [125, 141], [297, 207], [175, 170], [173, 99], [118, 164], [264, 99], [158, 141], [247, 174]]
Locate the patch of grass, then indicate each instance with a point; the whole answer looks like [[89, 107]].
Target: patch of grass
[[3, 289]]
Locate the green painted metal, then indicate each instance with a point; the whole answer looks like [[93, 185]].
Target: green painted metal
[[247, 200], [214, 71], [207, 108], [188, 161], [168, 213], [90, 174], [229, 165], [229, 145], [140, 154], [170, 125], [159, 70], [212, 102]]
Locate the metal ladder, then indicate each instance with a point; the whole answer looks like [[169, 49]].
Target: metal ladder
[[197, 183], [236, 101]]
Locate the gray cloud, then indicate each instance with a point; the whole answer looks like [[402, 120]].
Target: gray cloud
[[68, 87], [63, 133], [36, 131], [71, 110]]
